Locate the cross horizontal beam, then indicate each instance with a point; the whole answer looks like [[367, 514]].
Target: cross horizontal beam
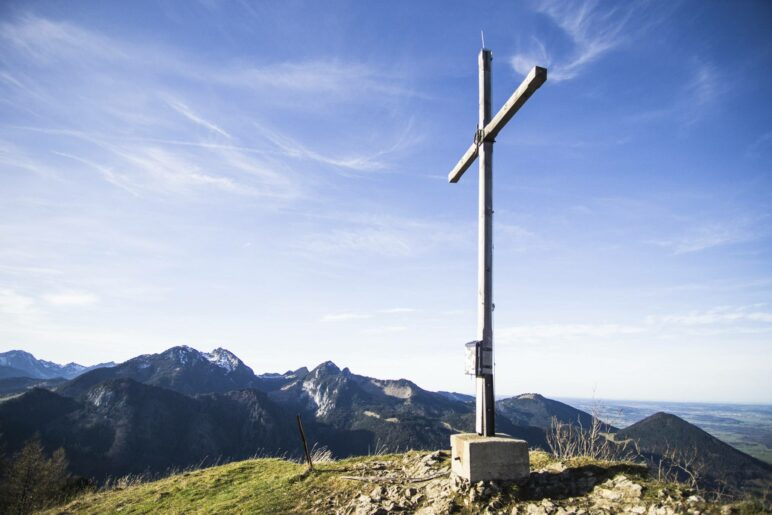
[[531, 83]]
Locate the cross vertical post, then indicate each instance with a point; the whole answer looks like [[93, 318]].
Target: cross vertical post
[[482, 455], [485, 411]]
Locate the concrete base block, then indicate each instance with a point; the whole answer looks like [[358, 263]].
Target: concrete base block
[[489, 458]]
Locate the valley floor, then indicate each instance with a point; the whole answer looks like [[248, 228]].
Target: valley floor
[[413, 482]]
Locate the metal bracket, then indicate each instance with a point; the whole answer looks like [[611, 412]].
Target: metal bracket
[[478, 136]]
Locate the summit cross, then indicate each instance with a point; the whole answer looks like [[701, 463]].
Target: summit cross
[[482, 147]]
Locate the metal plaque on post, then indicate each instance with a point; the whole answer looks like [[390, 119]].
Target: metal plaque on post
[[479, 360], [473, 358]]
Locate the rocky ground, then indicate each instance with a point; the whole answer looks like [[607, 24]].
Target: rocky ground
[[421, 483]]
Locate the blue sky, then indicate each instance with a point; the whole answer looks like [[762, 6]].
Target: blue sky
[[271, 178]]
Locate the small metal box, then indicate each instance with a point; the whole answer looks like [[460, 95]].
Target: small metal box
[[473, 358], [479, 362]]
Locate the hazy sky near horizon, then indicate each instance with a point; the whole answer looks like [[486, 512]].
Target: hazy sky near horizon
[[271, 177]]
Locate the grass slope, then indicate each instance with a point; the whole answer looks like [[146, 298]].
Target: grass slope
[[411, 482], [265, 485]]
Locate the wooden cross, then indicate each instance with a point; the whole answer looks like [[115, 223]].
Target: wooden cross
[[487, 129]]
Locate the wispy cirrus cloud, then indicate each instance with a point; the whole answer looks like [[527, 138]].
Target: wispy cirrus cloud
[[386, 236], [345, 317], [370, 240], [326, 77], [71, 298], [720, 315], [389, 329], [361, 315], [397, 310], [139, 95], [760, 145], [593, 29], [725, 320], [46, 40], [15, 303], [704, 86], [185, 111], [537, 332], [711, 235], [144, 166], [360, 163]]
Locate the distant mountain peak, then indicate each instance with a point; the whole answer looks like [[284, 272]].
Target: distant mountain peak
[[662, 415], [301, 372], [328, 367], [533, 409], [15, 353], [223, 358], [185, 355], [181, 354], [661, 419], [183, 369], [530, 396]]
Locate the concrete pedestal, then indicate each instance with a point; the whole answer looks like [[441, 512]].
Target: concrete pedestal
[[489, 458]]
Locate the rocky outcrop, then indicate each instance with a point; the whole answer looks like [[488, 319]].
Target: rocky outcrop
[[421, 483]]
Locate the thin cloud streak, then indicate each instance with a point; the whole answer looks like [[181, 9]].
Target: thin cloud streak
[[397, 310], [185, 111], [538, 332], [14, 303], [593, 28], [710, 236], [387, 236], [366, 163], [716, 321], [345, 317], [46, 41], [358, 315], [701, 92], [760, 145], [715, 316], [71, 299]]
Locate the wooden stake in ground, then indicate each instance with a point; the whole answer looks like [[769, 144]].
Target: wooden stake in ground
[[305, 443], [482, 146]]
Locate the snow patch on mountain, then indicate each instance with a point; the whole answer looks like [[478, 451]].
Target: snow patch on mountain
[[179, 354], [223, 359], [100, 395], [320, 396], [288, 386]]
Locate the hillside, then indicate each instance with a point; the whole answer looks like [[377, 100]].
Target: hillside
[[666, 437], [120, 427], [10, 386], [532, 409], [412, 482]]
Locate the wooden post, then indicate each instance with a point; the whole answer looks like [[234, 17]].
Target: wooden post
[[305, 444], [485, 413]]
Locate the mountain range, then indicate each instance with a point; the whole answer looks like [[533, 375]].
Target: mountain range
[[183, 407], [18, 363]]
